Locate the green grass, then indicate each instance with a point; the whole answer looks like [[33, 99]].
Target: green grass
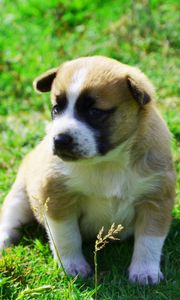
[[37, 35]]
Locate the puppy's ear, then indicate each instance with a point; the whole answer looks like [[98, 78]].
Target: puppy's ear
[[140, 87], [43, 82]]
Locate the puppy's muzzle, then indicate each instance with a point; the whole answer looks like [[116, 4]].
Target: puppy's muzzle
[[63, 146]]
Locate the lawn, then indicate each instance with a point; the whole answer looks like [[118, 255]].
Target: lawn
[[37, 35]]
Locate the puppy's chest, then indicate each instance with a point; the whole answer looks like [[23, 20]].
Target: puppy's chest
[[107, 184], [105, 192], [107, 195]]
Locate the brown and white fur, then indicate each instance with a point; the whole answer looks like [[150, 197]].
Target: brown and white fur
[[105, 159]]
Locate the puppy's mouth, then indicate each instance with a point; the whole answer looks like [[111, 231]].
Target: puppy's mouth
[[69, 149], [66, 156]]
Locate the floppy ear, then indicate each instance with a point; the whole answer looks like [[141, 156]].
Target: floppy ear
[[43, 82], [140, 87]]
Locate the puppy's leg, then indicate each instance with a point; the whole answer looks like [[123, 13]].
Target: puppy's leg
[[15, 212], [151, 228], [66, 236]]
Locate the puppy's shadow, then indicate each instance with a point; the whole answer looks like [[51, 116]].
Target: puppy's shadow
[[114, 259], [32, 231]]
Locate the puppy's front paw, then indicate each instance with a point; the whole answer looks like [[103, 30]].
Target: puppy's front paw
[[5, 240], [76, 266], [149, 274], [7, 237]]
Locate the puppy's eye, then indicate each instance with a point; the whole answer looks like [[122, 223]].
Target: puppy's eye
[[60, 106], [56, 110], [96, 113]]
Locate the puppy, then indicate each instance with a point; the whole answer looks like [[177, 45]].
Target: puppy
[[105, 159]]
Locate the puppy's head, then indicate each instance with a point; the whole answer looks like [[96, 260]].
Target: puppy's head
[[96, 102]]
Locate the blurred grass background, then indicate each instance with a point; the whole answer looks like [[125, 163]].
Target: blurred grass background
[[37, 35]]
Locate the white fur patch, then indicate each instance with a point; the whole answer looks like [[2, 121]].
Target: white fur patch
[[82, 135], [74, 89], [145, 265]]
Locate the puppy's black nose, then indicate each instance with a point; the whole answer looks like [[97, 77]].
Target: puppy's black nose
[[62, 141]]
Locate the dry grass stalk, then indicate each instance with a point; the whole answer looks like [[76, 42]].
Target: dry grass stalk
[[43, 209], [100, 243], [35, 291], [101, 240]]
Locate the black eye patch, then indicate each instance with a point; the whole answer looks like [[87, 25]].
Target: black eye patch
[[60, 106], [86, 110], [84, 102], [97, 118]]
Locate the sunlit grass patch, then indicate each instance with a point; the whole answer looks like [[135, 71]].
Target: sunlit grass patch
[[37, 35]]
